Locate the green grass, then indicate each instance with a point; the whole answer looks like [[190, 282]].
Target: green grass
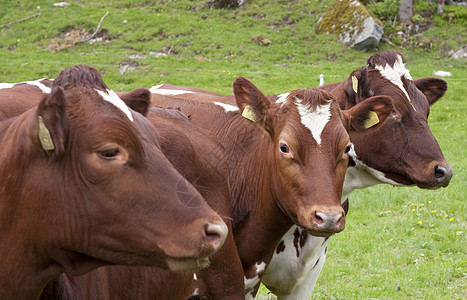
[[395, 237]]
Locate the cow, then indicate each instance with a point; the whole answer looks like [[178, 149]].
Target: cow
[[287, 163], [198, 156], [85, 184], [399, 150]]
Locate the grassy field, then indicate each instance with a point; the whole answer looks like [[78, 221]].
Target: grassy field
[[399, 243]]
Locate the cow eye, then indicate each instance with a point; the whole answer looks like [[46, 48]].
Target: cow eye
[[347, 149], [284, 148], [109, 153]]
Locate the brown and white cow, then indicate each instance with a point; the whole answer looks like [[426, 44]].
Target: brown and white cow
[[198, 157], [70, 166], [287, 163], [399, 150]]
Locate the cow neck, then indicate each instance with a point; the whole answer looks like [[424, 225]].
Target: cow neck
[[32, 274], [258, 222], [25, 271]]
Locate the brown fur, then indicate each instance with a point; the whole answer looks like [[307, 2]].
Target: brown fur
[[62, 212], [262, 206], [402, 145]]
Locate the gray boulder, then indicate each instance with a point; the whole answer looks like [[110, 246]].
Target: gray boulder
[[352, 23]]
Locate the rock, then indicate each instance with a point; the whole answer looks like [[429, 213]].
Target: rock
[[461, 53], [352, 23], [441, 73], [124, 68], [157, 54], [229, 4]]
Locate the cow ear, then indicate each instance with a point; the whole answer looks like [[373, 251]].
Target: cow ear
[[252, 103], [354, 85], [368, 114], [53, 121], [138, 100], [433, 88]]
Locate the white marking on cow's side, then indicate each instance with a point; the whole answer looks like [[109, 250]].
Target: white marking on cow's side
[[195, 277], [5, 85], [113, 98], [226, 107], [314, 120], [41, 86], [282, 98], [157, 90], [395, 74], [44, 89]]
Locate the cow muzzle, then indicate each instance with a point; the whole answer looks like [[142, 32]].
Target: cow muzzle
[[215, 233], [325, 222]]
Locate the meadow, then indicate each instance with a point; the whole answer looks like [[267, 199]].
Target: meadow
[[399, 243]]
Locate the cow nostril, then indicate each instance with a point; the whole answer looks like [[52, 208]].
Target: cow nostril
[[319, 217], [215, 233], [443, 174], [439, 172]]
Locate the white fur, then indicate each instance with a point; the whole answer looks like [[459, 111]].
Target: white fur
[[282, 98], [252, 282], [296, 276], [113, 98], [314, 120], [5, 85], [226, 107], [395, 74], [42, 87], [157, 90], [362, 176]]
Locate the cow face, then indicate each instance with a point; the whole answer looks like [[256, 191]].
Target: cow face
[[309, 148], [113, 195], [401, 149]]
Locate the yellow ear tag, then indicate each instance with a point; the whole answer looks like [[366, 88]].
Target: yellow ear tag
[[372, 120], [249, 113], [44, 136], [355, 83]]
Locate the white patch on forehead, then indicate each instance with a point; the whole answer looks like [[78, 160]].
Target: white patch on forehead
[[314, 120], [226, 107], [113, 98], [395, 74], [42, 87], [282, 98], [195, 277], [157, 90]]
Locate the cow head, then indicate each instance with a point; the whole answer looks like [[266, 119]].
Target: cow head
[[308, 150], [399, 149], [97, 189]]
